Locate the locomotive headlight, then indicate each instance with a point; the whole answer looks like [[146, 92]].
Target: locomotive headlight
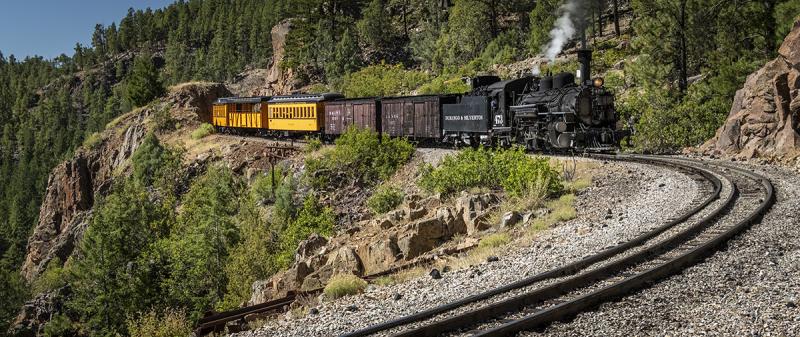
[[598, 82]]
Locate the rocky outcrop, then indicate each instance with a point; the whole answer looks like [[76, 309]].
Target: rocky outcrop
[[38, 311], [273, 81], [763, 121], [401, 237], [74, 184]]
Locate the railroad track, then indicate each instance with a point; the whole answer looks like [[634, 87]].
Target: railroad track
[[731, 200]]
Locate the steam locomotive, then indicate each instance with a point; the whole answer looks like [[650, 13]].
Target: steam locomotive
[[549, 113]]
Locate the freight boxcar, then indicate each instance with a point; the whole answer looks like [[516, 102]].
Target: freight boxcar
[[301, 113], [362, 113], [240, 113], [416, 117]]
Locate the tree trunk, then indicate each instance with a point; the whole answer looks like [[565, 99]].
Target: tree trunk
[[616, 19], [600, 10], [769, 28], [683, 80]]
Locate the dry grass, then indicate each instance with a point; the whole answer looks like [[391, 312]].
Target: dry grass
[[561, 209], [494, 240], [344, 284], [384, 281]]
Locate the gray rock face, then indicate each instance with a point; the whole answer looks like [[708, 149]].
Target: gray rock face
[[764, 118]]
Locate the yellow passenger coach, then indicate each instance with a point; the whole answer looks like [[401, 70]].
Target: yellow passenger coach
[[240, 113], [298, 112]]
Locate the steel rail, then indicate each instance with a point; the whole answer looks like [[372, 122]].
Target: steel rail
[[563, 271], [643, 279]]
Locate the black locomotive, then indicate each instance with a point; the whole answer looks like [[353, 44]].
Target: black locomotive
[[543, 113]]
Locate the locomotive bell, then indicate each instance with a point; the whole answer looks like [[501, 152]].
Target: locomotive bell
[[598, 82]]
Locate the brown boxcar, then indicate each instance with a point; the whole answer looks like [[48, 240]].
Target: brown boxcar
[[360, 112], [414, 116]]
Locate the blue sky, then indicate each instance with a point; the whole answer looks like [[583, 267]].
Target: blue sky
[[51, 27]]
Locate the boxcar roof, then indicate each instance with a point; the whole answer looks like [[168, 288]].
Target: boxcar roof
[[357, 99], [418, 97], [254, 99], [306, 98]]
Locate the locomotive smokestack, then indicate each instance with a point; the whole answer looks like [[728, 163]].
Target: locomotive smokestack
[[585, 60]]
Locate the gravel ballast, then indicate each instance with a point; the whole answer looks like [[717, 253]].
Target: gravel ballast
[[750, 288], [638, 198]]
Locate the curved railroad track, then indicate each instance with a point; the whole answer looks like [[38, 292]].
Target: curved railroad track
[[731, 200]]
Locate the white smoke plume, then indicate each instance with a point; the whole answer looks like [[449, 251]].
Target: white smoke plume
[[565, 27], [536, 70]]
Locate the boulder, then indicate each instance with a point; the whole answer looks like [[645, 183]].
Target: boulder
[[379, 255], [473, 210], [510, 219], [345, 261], [310, 247], [420, 237], [763, 120]]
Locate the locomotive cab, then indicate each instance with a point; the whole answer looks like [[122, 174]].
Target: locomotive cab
[[483, 115]]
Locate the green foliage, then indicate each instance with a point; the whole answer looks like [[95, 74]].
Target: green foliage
[[60, 326], [444, 85], [203, 131], [343, 285], [55, 276], [13, 292], [786, 14], [494, 240], [313, 144], [360, 155], [198, 247], [666, 121], [170, 323], [93, 140], [382, 80], [385, 198], [154, 163], [510, 169], [312, 218], [542, 18], [143, 85], [110, 279], [285, 207], [163, 119]]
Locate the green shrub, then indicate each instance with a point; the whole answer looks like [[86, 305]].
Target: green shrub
[[385, 199], [494, 240], [170, 323], [444, 85], [93, 140], [262, 189], [203, 131], [313, 144], [54, 277], [343, 285], [60, 326], [510, 169], [162, 118], [312, 218], [359, 155], [382, 80]]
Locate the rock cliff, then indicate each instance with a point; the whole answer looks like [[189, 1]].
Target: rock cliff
[[73, 184], [273, 81], [763, 121]]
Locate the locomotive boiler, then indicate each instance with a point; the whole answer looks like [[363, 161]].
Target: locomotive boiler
[[562, 114]]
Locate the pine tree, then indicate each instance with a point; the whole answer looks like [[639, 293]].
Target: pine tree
[[143, 85]]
